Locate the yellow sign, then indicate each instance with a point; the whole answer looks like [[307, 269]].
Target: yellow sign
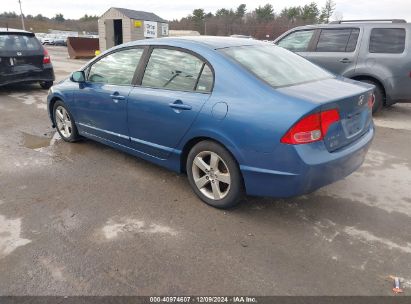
[[137, 23]]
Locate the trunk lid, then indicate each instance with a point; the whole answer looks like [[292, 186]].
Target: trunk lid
[[348, 96]]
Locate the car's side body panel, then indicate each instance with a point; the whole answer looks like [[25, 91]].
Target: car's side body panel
[[99, 114], [245, 115]]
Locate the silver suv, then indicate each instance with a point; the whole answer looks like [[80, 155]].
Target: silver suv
[[373, 51]]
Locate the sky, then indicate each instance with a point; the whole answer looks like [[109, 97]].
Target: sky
[[176, 9]]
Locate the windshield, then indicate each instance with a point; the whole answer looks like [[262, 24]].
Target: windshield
[[12, 42], [276, 66]]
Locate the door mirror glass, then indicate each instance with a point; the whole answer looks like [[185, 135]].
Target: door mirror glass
[[78, 76]]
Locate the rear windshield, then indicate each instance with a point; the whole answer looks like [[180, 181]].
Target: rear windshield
[[12, 42], [275, 65]]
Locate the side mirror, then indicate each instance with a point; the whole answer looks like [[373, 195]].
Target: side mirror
[[78, 77]]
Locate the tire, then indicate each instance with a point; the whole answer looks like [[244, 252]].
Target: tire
[[219, 181], [46, 84], [379, 96], [64, 122]]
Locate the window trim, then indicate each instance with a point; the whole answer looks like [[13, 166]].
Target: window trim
[[145, 60], [388, 28], [310, 43], [87, 68]]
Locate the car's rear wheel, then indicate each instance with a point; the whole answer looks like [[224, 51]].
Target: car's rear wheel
[[214, 175], [64, 122], [46, 84], [378, 94]]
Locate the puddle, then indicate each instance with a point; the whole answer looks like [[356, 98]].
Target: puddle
[[36, 142]]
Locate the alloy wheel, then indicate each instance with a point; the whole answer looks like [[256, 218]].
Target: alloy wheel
[[63, 121], [211, 175]]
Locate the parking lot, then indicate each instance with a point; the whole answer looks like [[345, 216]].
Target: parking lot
[[85, 219]]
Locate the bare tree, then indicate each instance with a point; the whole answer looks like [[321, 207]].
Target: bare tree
[[327, 11]]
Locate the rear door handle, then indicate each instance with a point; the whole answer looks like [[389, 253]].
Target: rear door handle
[[345, 60], [179, 105]]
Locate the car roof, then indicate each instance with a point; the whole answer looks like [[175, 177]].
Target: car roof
[[356, 24], [211, 42], [4, 30]]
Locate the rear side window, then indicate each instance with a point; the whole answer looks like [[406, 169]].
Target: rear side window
[[19, 43], [297, 41], [387, 40], [176, 70], [337, 40], [117, 68]]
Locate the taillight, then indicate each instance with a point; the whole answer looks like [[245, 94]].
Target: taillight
[[371, 101], [311, 128], [46, 58]]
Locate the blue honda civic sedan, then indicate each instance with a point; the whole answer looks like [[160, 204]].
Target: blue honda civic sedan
[[238, 116]]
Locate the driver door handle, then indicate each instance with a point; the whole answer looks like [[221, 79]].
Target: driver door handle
[[116, 97]]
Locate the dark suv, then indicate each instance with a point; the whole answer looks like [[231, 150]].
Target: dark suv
[[23, 59], [373, 51]]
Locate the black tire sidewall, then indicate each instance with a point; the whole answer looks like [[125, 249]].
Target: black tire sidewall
[[46, 84], [74, 134], [379, 96], [236, 186]]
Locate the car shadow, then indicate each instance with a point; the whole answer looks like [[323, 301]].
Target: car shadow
[[20, 88]]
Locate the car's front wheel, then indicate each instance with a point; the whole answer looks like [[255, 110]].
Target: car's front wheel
[[64, 122], [214, 175]]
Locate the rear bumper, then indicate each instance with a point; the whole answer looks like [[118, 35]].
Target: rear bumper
[[46, 74], [317, 168]]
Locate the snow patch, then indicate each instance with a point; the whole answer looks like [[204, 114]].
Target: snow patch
[[368, 237], [115, 228], [10, 239]]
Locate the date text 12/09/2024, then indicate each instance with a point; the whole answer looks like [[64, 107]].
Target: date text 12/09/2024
[[203, 299]]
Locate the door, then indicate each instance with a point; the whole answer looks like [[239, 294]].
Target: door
[[118, 31], [336, 50], [173, 89], [109, 33], [101, 102]]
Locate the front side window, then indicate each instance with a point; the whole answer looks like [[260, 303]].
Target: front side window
[[337, 40], [276, 66], [176, 70], [297, 41], [387, 40], [117, 68]]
